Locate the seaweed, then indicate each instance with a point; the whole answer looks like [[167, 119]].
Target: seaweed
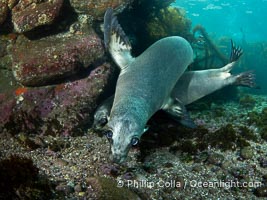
[[247, 101], [210, 49], [260, 120], [247, 133], [155, 19], [225, 138], [169, 21], [164, 132], [263, 133]]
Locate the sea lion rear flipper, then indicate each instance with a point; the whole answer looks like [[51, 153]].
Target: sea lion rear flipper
[[179, 113], [236, 52], [246, 79], [116, 41]]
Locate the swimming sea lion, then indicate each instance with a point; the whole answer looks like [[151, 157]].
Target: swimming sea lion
[[144, 85], [193, 85]]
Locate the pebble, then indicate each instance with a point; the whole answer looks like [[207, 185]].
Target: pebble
[[246, 152], [77, 188], [61, 162], [263, 162], [81, 194], [215, 159], [66, 189], [226, 164]]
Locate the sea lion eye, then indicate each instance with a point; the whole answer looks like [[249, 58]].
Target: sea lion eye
[[109, 134], [134, 141]]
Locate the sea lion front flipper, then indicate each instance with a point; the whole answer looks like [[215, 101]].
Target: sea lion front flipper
[[178, 112], [116, 40]]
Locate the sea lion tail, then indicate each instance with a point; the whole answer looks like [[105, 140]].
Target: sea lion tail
[[246, 79], [116, 41]]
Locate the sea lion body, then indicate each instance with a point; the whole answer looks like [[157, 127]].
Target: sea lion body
[[143, 88], [191, 86], [152, 76]]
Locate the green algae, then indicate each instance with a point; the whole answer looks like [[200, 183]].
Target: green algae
[[263, 133], [155, 19], [193, 141], [247, 133], [169, 21], [260, 120], [247, 101]]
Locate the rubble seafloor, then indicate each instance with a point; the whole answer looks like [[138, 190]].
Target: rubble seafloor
[[168, 164]]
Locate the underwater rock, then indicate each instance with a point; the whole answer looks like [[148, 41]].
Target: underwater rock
[[97, 8], [3, 47], [105, 188], [64, 109], [6, 107], [43, 61], [5, 59], [246, 152], [3, 10], [21, 178], [27, 15], [261, 191], [12, 3], [215, 159]]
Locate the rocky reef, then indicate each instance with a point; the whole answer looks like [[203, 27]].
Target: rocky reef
[[62, 109], [54, 66]]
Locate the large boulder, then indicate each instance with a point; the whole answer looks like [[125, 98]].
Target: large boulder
[[29, 14], [43, 61], [97, 8], [3, 10], [65, 108]]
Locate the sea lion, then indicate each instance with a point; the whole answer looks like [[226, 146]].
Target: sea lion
[[144, 84], [193, 85]]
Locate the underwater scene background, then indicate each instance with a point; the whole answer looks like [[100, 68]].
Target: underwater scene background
[[55, 72], [243, 21]]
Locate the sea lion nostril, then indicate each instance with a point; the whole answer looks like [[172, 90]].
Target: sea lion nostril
[[103, 121], [108, 134], [134, 141]]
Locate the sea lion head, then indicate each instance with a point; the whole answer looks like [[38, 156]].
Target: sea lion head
[[122, 133], [100, 118]]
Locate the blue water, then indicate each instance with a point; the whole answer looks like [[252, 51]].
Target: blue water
[[229, 17], [241, 20]]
